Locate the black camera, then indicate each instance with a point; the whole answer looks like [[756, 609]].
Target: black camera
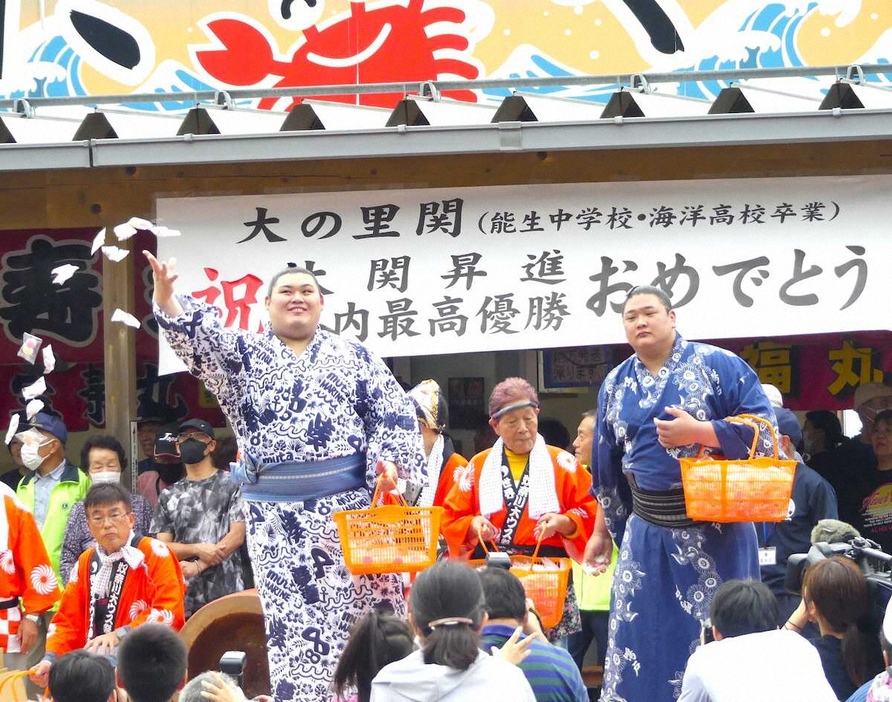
[[233, 664], [498, 559], [870, 558]]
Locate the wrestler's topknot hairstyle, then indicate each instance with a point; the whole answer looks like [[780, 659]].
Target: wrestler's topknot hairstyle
[[649, 290], [292, 269]]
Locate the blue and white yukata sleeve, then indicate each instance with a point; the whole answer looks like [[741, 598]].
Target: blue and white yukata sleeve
[[742, 393], [210, 351], [609, 484], [390, 423]]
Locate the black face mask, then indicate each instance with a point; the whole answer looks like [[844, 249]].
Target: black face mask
[[169, 472], [192, 451]]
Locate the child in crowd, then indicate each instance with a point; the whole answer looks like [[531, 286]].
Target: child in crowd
[[152, 663], [376, 640], [447, 611], [82, 676]]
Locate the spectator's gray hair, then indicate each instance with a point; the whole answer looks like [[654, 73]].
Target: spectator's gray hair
[[191, 691]]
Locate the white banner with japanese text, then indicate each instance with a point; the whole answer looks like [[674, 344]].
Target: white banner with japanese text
[[457, 270]]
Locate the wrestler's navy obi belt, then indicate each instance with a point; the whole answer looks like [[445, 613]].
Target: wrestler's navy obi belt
[[290, 481], [664, 508]]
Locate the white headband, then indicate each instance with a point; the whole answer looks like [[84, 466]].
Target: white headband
[[510, 408]]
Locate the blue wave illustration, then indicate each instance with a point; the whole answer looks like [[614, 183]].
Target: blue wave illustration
[[57, 52], [773, 28], [774, 19]]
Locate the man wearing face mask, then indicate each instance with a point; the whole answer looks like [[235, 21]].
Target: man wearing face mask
[[167, 466], [54, 485], [201, 518], [13, 477], [51, 488]]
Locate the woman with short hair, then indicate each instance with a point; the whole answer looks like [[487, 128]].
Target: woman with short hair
[[104, 460]]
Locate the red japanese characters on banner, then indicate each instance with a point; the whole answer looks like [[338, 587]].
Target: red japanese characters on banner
[[232, 297], [67, 315]]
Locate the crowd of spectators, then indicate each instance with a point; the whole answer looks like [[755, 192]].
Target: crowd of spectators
[[825, 642]]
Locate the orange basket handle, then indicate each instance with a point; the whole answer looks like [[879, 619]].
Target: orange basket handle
[[482, 543], [11, 676], [399, 496], [756, 423], [495, 547], [538, 544]]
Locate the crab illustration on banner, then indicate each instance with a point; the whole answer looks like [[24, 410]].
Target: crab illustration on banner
[[117, 47], [354, 48]]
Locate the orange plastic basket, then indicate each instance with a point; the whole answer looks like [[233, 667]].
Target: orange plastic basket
[[544, 580], [12, 685], [749, 490], [389, 539]]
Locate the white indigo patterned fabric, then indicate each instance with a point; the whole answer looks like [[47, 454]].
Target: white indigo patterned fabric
[[334, 400], [665, 578]]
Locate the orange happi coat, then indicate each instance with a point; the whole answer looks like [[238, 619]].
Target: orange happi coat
[[452, 470], [152, 592], [573, 487], [25, 569]]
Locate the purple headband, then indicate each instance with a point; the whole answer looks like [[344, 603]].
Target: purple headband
[[516, 405]]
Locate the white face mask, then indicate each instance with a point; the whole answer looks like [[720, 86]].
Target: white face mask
[[105, 476], [31, 456]]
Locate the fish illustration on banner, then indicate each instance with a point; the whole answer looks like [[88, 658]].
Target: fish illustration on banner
[[91, 47]]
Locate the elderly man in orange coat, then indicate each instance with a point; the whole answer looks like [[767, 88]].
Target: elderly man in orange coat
[[522, 491], [122, 582]]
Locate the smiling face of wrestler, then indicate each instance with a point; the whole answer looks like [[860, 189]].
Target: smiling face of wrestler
[[294, 306]]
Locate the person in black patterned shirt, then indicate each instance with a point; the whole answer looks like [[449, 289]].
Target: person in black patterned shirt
[[201, 518]]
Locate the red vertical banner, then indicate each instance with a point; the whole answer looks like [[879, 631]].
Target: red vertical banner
[[67, 315]]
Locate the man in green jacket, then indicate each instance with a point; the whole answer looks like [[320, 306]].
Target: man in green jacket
[[50, 490]]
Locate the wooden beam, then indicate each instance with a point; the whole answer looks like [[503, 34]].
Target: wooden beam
[[119, 353]]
